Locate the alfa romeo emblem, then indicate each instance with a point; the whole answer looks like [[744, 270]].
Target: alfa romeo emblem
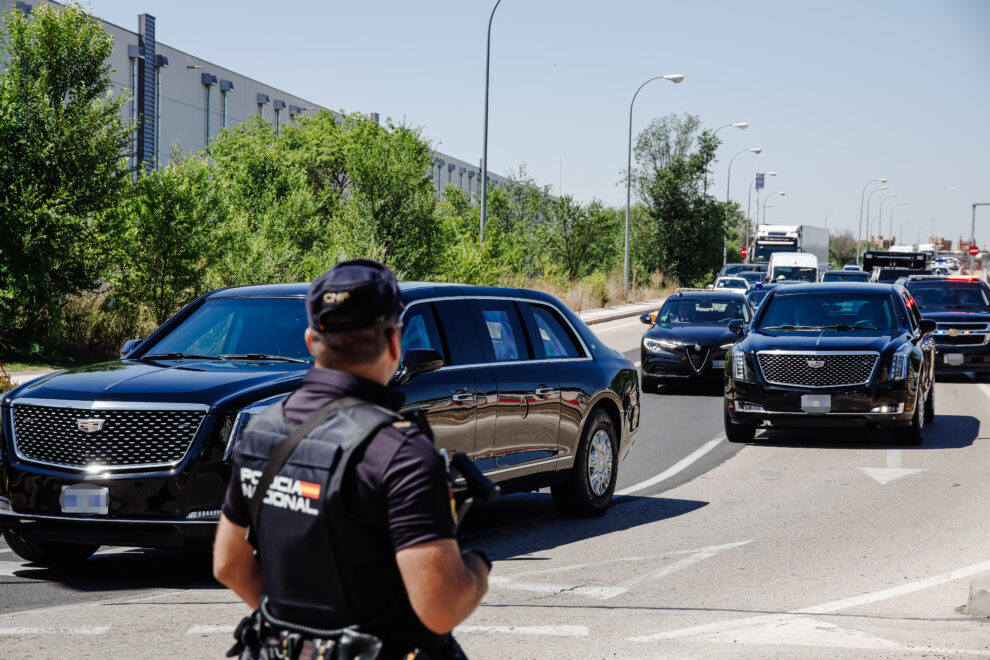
[[697, 347], [90, 425], [816, 364]]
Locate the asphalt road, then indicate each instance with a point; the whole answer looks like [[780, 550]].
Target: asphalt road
[[806, 544]]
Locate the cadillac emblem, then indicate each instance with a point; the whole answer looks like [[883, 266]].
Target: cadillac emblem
[[816, 364], [90, 425]]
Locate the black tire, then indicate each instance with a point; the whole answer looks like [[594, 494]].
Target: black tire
[[580, 495], [736, 432], [649, 383], [914, 434], [930, 405], [47, 553]]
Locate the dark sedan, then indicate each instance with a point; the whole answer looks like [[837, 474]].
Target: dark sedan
[[689, 336], [832, 355], [137, 451]]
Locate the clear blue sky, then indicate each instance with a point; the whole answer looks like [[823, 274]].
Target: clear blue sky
[[836, 92]]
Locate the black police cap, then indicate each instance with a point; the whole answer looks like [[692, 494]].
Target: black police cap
[[352, 295]]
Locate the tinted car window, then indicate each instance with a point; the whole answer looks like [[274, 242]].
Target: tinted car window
[[558, 342], [947, 294], [847, 276], [872, 313], [795, 273], [700, 310], [459, 330], [501, 329], [273, 326], [419, 329]]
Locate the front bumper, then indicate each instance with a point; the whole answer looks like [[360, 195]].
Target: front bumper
[[885, 404], [960, 358], [105, 531], [675, 364]]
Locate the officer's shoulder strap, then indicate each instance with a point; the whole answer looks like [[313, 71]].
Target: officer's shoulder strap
[[282, 453]]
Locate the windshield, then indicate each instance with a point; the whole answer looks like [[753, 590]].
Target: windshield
[[731, 283], [756, 297], [968, 296], [870, 314], [240, 326], [804, 273], [764, 250], [847, 276], [701, 310]]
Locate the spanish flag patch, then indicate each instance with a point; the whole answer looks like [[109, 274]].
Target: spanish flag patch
[[310, 490]]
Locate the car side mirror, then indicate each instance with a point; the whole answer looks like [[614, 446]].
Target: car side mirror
[[416, 361], [645, 318], [736, 326], [927, 326], [711, 286], [129, 346]]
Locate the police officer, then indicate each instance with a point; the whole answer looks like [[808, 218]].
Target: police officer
[[352, 531]]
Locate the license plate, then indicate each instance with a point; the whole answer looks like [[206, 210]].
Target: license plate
[[816, 403], [953, 359], [718, 364], [85, 499]]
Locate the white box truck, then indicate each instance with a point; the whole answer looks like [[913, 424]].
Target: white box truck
[[790, 238]]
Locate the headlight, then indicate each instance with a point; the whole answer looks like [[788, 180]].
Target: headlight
[[739, 370], [899, 366], [657, 345], [243, 418]]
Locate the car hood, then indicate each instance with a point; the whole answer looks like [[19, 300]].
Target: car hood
[[808, 341], [205, 382], [706, 335]]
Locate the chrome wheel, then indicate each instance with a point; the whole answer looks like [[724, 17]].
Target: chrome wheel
[[600, 463]]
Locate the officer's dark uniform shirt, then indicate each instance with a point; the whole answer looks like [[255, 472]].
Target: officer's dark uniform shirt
[[397, 491]]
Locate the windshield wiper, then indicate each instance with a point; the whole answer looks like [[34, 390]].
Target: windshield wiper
[[845, 328], [261, 356], [791, 327], [178, 356]]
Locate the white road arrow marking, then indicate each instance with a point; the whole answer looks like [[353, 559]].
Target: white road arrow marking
[[609, 592], [892, 471]]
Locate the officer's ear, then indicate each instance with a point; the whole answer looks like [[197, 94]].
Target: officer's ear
[[394, 343], [309, 341]]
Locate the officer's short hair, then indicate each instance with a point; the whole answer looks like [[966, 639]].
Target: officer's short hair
[[352, 347]]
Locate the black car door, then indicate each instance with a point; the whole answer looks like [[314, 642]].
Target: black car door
[[528, 401], [447, 396]]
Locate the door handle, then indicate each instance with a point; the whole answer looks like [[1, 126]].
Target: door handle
[[542, 391], [463, 397]]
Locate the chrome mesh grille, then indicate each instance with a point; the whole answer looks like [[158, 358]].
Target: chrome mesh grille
[[961, 340], [817, 369], [128, 438]]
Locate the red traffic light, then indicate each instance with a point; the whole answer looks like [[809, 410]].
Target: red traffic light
[[973, 250]]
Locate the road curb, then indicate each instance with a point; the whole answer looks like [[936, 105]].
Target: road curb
[[605, 314]]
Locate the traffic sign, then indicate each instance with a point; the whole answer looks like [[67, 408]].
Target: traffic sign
[[759, 181], [742, 251], [973, 250]]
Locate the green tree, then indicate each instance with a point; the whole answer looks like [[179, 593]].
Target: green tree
[[163, 238], [61, 140], [842, 248], [683, 234], [579, 238]]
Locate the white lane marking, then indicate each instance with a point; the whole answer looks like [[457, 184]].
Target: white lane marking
[[33, 630], [674, 469], [617, 327], [893, 470], [581, 567], [5, 550], [984, 388], [209, 630], [827, 608], [609, 592], [927, 583], [90, 603], [550, 631]]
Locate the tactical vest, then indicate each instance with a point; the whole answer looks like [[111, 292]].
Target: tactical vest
[[311, 547]]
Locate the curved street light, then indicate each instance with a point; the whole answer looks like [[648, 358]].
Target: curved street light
[[781, 193], [903, 225], [728, 180], [829, 216], [741, 125], [869, 198], [892, 217], [484, 146], [674, 78], [859, 235], [749, 199], [880, 214]]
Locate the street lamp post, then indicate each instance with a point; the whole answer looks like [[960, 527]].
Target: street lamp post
[[859, 235], [749, 213], [869, 198], [484, 146], [674, 78], [782, 194], [903, 225], [880, 215], [892, 217], [728, 179], [741, 125], [972, 236], [829, 216]]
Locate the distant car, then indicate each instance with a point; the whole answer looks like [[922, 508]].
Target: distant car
[[732, 269], [961, 308], [759, 291], [832, 355], [751, 276], [736, 284], [845, 276], [689, 337], [852, 267], [891, 275]]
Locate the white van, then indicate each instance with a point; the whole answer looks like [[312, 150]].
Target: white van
[[792, 266]]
